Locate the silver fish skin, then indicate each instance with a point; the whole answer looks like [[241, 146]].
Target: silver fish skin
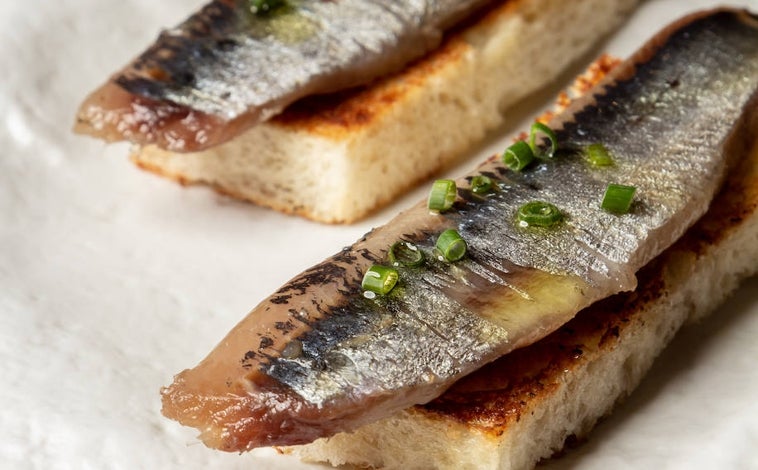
[[318, 357], [228, 64]]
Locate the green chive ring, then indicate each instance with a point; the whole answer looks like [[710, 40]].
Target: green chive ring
[[538, 214], [451, 245], [379, 280], [598, 155], [538, 127], [618, 198], [481, 184], [518, 156], [406, 254], [442, 195]]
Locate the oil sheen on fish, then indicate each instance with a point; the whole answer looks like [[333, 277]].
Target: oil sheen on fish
[[319, 357], [227, 68]]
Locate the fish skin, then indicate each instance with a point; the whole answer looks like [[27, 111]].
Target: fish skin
[[317, 357], [228, 66]]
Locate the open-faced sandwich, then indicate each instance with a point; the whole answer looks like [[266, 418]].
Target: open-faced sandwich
[[330, 109], [513, 308]]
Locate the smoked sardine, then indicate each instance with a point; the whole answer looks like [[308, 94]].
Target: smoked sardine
[[231, 65], [319, 356]]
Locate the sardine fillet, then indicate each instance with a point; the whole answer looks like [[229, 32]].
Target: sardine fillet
[[525, 406], [355, 152], [229, 67], [319, 357]]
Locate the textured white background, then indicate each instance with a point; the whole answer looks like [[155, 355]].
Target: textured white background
[[112, 279]]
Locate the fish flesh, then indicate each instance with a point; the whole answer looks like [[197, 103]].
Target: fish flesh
[[227, 68], [319, 356]]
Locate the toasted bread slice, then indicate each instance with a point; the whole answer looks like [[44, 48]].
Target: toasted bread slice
[[336, 158], [527, 405]]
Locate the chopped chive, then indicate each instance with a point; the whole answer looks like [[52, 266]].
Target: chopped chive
[[379, 279], [518, 156], [481, 184], [598, 155], [538, 127], [451, 245], [538, 214], [618, 198], [442, 195], [405, 254]]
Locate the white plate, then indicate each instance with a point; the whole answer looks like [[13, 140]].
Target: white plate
[[112, 279]]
